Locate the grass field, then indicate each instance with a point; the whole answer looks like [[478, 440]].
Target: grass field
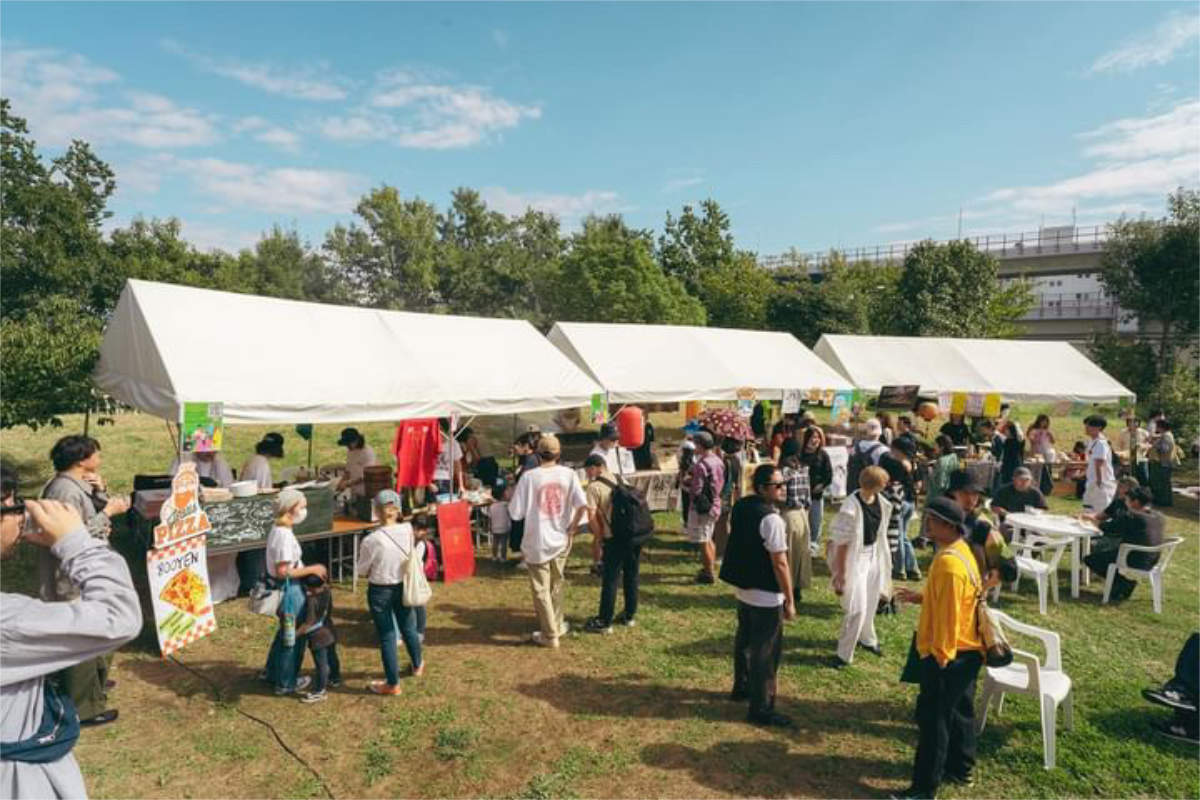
[[639, 713]]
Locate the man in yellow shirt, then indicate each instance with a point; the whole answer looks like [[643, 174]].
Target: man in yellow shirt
[[951, 655]]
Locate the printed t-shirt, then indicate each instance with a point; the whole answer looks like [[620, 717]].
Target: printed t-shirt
[[546, 498], [447, 458], [415, 449], [774, 535]]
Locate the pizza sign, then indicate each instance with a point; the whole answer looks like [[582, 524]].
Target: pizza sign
[[179, 590], [181, 515]]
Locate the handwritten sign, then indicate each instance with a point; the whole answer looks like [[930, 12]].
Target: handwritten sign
[[791, 401], [180, 593], [182, 517]]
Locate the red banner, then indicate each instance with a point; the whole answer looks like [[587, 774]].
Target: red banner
[[454, 532]]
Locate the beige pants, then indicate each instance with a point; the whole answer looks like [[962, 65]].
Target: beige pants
[[799, 547], [546, 581]]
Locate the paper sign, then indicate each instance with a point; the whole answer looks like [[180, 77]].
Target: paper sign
[[179, 591], [975, 404], [181, 515], [839, 460], [202, 427], [991, 405], [791, 401], [840, 406], [599, 408], [958, 403], [944, 402], [454, 536]]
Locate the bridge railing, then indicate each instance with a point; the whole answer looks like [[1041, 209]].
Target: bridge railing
[[1068, 239], [1072, 305]]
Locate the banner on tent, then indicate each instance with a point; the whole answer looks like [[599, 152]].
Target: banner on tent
[[201, 427], [599, 408], [791, 401], [746, 396]]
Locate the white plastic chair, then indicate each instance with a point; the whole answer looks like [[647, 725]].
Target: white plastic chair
[[1043, 570], [1154, 574], [1026, 675]]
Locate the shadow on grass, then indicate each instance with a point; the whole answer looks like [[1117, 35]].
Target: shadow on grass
[[481, 626], [629, 698], [1138, 724], [769, 769]]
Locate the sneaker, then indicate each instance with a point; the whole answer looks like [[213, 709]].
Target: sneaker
[[873, 649], [1177, 731], [103, 718], [333, 684], [1171, 697], [967, 780], [627, 621], [314, 697], [838, 663], [383, 687], [537, 638], [522, 565], [772, 720], [596, 625], [705, 578], [301, 684]]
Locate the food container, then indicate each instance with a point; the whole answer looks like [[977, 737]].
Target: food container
[[244, 488]]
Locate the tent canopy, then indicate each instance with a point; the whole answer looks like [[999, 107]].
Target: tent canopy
[[669, 363], [271, 360], [1017, 370]]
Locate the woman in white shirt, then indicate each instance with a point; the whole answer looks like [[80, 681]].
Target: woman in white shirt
[[382, 558], [257, 468], [359, 456], [285, 567]]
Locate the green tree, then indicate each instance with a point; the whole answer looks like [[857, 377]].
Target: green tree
[[806, 308], [1152, 269], [390, 259], [473, 277], [694, 244], [736, 293], [1130, 362], [952, 289], [609, 275]]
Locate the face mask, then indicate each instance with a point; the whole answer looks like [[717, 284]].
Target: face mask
[[299, 516]]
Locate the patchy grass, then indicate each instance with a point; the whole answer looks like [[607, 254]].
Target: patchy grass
[[641, 713]]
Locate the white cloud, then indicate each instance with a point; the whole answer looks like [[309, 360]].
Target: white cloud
[[417, 111], [263, 130], [306, 83], [679, 184], [1169, 38], [60, 95], [206, 236], [1176, 131], [286, 189], [568, 207]]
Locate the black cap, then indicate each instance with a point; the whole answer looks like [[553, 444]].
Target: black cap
[[349, 436], [905, 445], [947, 510], [963, 481], [274, 438], [609, 431]]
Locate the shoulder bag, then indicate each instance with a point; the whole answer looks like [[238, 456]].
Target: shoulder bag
[[999, 651]]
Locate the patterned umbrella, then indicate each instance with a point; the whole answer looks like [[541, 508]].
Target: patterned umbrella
[[726, 422]]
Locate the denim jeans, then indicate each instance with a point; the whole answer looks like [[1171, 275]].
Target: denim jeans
[[388, 611], [620, 560], [906, 559], [283, 662], [329, 668], [816, 513]]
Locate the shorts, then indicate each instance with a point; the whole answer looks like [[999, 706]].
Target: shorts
[[700, 527]]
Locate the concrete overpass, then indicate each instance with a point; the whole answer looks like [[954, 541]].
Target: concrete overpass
[[1062, 262]]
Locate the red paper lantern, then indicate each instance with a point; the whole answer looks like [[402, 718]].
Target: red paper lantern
[[631, 427]]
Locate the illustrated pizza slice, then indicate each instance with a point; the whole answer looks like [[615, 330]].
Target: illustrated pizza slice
[[187, 592]]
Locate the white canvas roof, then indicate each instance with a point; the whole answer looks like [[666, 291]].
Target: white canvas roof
[[669, 363], [271, 360], [1018, 370]]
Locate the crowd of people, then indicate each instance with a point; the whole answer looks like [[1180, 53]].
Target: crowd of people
[[763, 544]]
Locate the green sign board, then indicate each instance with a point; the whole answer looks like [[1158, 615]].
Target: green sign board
[[202, 427]]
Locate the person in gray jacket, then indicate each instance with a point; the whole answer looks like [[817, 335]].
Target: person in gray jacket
[[38, 723]]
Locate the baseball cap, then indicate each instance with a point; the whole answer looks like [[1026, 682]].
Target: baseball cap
[[963, 481], [1022, 472], [549, 445], [387, 497], [609, 431], [906, 446]]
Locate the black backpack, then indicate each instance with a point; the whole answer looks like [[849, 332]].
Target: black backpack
[[858, 462], [632, 522]]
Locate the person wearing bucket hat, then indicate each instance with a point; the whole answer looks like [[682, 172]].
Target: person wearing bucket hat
[[949, 653], [257, 468], [995, 558], [359, 456]]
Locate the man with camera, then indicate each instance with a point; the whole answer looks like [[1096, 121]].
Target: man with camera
[[38, 721]]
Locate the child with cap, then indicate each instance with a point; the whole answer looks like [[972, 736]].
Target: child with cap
[[317, 626], [382, 559]]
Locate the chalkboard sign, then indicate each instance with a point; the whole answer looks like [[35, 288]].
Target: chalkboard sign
[[246, 521]]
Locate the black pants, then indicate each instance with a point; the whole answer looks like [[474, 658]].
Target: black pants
[[757, 648], [946, 721], [619, 560], [1160, 484], [1098, 562], [1187, 666], [328, 666]]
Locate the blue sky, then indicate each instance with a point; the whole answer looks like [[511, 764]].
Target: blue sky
[[814, 125]]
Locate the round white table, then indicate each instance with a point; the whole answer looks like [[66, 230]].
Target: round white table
[[1059, 526]]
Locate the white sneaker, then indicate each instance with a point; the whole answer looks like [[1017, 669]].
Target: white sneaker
[[522, 565], [537, 638]]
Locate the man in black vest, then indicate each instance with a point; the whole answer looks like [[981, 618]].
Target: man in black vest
[[756, 563]]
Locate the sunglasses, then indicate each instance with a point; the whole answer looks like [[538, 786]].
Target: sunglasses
[[17, 507]]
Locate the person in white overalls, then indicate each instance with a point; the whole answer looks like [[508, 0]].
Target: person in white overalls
[[861, 563], [1101, 482]]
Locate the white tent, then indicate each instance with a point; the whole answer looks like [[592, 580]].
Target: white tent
[[669, 363], [271, 360], [1017, 370]]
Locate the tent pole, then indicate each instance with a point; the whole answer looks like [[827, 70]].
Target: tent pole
[[87, 418]]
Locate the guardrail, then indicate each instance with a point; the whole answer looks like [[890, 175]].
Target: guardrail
[[1071, 305], [1068, 239]]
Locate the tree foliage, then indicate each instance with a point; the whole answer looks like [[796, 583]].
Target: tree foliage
[[1152, 269]]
